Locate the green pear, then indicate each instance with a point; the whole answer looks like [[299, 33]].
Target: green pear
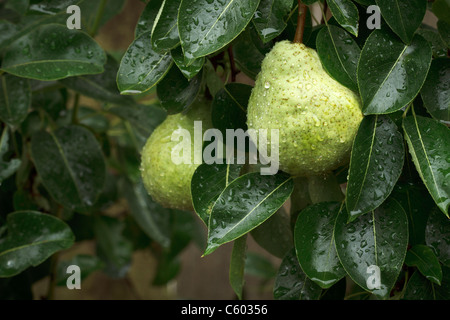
[[169, 183], [316, 116]]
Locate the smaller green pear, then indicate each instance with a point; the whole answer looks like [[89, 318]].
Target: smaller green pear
[[169, 183]]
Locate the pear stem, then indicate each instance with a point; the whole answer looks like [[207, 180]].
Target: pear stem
[[298, 38]]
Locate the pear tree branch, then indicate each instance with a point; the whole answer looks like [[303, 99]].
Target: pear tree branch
[[298, 38]]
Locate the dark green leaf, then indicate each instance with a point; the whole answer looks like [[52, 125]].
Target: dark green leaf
[[417, 204], [208, 182], [102, 86], [339, 55], [20, 6], [90, 10], [438, 46], [429, 145], [112, 247], [229, 107], [377, 239], [270, 18], [437, 236], [237, 265], [143, 119], [51, 6], [176, 93], [141, 67], [249, 51], [53, 52], [346, 14], [390, 73], [147, 18], [436, 90], [71, 165], [150, 216], [206, 27], [7, 168], [314, 243], [322, 188], [275, 234], [291, 283], [444, 31], [403, 16], [441, 8], [87, 264], [15, 99], [260, 266], [425, 260], [32, 238], [165, 31], [420, 288], [375, 165], [7, 32], [244, 204], [188, 71]]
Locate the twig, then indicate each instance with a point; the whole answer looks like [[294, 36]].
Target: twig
[[232, 64], [298, 38]]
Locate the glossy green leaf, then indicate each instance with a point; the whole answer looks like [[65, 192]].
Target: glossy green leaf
[[229, 107], [53, 52], [31, 238], [314, 243], [71, 165], [150, 216], [429, 146], [188, 71], [147, 17], [375, 165], [270, 18], [390, 73], [441, 8], [176, 93], [206, 27], [346, 14], [101, 86], [403, 16], [260, 266], [165, 30], [141, 67], [436, 90], [208, 182], [377, 239], [420, 288], [339, 55], [87, 264], [7, 168], [249, 51], [291, 283], [237, 265], [244, 204], [437, 236], [417, 204], [425, 260], [275, 234], [15, 99]]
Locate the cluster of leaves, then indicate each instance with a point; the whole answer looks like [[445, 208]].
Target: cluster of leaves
[[76, 162]]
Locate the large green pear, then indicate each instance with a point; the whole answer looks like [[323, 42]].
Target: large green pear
[[167, 182], [316, 116]]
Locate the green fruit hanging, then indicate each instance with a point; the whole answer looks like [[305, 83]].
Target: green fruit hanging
[[317, 117], [168, 183]]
